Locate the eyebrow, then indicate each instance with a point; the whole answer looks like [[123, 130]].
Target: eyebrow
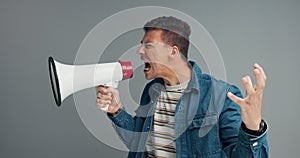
[[146, 42]]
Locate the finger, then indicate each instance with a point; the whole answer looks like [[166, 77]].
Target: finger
[[109, 90], [235, 99], [102, 103], [102, 107], [104, 96], [248, 84], [100, 87], [103, 89], [257, 66], [260, 77]]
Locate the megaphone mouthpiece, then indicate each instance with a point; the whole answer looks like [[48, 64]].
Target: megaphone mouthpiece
[[127, 69]]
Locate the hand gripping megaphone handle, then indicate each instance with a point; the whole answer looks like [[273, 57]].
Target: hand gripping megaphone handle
[[113, 84], [127, 73]]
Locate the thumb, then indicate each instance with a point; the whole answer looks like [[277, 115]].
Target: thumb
[[114, 93], [235, 98]]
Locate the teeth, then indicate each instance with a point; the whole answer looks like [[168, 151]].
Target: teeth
[[147, 66]]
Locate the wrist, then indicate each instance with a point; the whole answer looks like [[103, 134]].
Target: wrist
[[116, 111], [253, 124]]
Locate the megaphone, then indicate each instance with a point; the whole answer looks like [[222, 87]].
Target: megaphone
[[62, 76]]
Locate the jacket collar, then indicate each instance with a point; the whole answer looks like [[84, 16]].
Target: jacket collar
[[196, 73]]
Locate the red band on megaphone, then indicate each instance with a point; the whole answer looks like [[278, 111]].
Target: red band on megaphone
[[127, 69]]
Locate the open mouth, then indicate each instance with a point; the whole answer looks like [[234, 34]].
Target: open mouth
[[147, 67]]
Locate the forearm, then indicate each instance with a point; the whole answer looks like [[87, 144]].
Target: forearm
[[236, 141], [248, 146], [124, 125]]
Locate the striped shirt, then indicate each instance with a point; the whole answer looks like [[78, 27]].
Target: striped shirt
[[161, 142]]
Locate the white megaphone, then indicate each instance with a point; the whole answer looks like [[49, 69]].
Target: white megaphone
[[62, 77]]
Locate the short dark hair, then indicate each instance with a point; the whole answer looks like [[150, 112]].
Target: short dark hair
[[175, 32]]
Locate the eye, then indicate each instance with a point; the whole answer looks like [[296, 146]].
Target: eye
[[147, 45]]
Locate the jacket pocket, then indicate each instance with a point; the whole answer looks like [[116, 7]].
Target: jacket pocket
[[204, 135]]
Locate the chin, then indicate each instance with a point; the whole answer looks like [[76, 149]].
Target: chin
[[148, 77]]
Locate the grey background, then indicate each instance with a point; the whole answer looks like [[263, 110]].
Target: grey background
[[32, 126]]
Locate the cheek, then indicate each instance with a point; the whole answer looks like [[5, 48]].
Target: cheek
[[155, 57], [149, 55]]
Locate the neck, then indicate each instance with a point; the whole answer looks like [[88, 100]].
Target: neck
[[177, 74]]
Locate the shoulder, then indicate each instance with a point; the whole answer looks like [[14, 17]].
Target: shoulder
[[208, 80]]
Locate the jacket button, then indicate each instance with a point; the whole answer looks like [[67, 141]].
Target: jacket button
[[254, 144]]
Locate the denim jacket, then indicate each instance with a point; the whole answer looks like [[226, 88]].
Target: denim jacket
[[208, 123]]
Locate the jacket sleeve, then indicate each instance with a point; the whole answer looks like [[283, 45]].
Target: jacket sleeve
[[235, 142], [123, 124], [130, 128]]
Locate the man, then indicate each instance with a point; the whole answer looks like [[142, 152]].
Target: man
[[184, 113]]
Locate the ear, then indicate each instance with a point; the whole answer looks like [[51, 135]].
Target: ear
[[175, 51]]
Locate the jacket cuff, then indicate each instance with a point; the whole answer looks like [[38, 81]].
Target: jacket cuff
[[252, 142], [118, 119], [262, 129]]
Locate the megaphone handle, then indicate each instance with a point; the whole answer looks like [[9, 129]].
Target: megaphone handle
[[113, 84]]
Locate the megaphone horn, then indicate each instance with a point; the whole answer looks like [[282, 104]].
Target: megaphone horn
[[87, 76]]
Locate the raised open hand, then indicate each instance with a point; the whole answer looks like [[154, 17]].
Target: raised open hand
[[251, 104]]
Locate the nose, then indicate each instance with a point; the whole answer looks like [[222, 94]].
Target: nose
[[140, 50]]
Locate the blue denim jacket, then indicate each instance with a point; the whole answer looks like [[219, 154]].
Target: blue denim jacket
[[208, 123]]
